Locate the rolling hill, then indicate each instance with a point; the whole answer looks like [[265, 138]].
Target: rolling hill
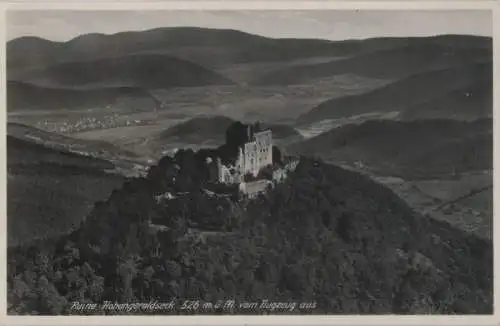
[[214, 48], [394, 63], [411, 149], [59, 142], [32, 52], [23, 96], [23, 153], [145, 71], [29, 52], [466, 103], [123, 161], [417, 92], [213, 128]]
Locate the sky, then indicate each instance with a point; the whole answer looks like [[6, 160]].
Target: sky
[[60, 25]]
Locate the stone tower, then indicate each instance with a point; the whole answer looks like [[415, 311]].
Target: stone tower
[[257, 151]]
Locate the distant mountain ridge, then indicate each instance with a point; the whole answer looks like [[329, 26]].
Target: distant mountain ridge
[[220, 46], [39, 52]]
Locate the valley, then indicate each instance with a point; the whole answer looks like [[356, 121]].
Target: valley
[[134, 120]]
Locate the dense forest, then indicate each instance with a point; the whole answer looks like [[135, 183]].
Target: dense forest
[[325, 236]]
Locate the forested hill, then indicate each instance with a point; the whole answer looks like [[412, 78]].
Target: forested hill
[[326, 235]]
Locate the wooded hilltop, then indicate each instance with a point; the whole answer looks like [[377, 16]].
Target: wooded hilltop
[[325, 235]]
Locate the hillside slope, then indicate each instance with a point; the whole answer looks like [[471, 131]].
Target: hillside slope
[[413, 149], [198, 129], [466, 103], [22, 152], [416, 92], [393, 63], [328, 237], [49, 191], [145, 70], [95, 148], [25, 96]]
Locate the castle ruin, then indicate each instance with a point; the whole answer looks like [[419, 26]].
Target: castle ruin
[[254, 151], [248, 150]]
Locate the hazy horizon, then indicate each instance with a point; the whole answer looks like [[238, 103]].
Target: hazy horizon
[[61, 26]]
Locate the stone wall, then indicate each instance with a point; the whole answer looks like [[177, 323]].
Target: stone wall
[[264, 149], [250, 163], [228, 174], [252, 156], [252, 189], [279, 175], [256, 154]]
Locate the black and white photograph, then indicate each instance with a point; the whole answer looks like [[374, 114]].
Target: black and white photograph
[[249, 162]]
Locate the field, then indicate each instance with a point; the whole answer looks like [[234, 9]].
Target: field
[[466, 201]]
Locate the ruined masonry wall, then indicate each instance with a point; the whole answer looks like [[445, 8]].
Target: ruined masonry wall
[[264, 148], [252, 189], [280, 175], [256, 154]]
